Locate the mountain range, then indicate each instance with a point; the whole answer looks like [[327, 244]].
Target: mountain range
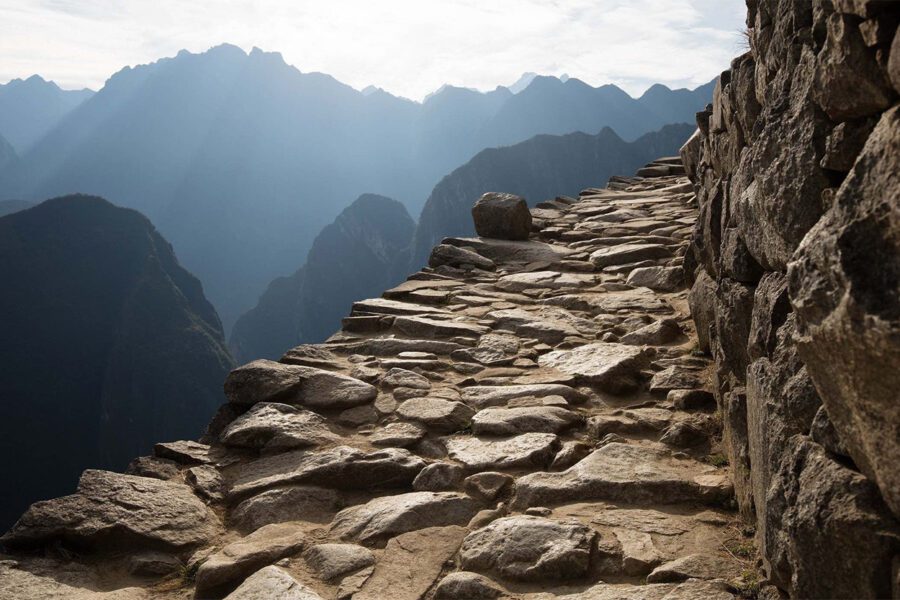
[[109, 346], [240, 160], [30, 108]]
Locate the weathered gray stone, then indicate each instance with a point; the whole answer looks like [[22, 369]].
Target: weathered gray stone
[[383, 518], [813, 499], [267, 381], [529, 549], [625, 473], [527, 450], [463, 585], [502, 216], [657, 333], [454, 256], [271, 426], [845, 287], [614, 366], [660, 279], [330, 561], [412, 563], [272, 583], [226, 568], [487, 486], [286, 503], [513, 421], [437, 413], [488, 396], [439, 477], [398, 435], [628, 253], [695, 566], [113, 511], [342, 467], [849, 82]]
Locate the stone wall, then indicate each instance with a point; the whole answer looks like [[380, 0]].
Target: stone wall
[[795, 273]]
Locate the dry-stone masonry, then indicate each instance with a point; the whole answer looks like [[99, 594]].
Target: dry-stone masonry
[[530, 417], [795, 273]]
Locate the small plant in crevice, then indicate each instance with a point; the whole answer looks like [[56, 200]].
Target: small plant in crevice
[[717, 460]]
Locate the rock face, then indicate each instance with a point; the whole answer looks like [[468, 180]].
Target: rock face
[[475, 433], [142, 362], [795, 264]]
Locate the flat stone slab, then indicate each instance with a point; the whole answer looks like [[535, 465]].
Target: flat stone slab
[[411, 564], [111, 510], [342, 467], [531, 419], [383, 518], [330, 561], [509, 251], [425, 327], [533, 450], [268, 381], [626, 473], [628, 253], [271, 426], [488, 396], [616, 366], [285, 503], [437, 413], [237, 560], [272, 583], [529, 548]]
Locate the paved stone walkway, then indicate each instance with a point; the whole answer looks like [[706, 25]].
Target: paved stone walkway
[[524, 419]]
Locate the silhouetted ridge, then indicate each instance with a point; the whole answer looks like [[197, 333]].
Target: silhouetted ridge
[[109, 345]]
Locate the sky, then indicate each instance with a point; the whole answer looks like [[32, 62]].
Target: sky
[[407, 47]]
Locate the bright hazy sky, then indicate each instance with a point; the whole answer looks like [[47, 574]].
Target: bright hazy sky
[[408, 47]]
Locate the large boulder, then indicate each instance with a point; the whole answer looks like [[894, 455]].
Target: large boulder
[[112, 511], [845, 287], [268, 381], [529, 549], [502, 216]]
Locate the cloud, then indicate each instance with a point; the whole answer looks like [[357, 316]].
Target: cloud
[[408, 47]]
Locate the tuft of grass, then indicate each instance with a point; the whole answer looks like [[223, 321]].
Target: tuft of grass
[[741, 549], [748, 584], [188, 572], [717, 460]]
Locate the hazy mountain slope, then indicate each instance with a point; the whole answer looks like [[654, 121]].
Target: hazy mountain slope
[[241, 159], [349, 260], [9, 159], [109, 345], [537, 169], [31, 107], [674, 106], [567, 107]]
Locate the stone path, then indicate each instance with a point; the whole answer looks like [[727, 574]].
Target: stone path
[[524, 419]]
